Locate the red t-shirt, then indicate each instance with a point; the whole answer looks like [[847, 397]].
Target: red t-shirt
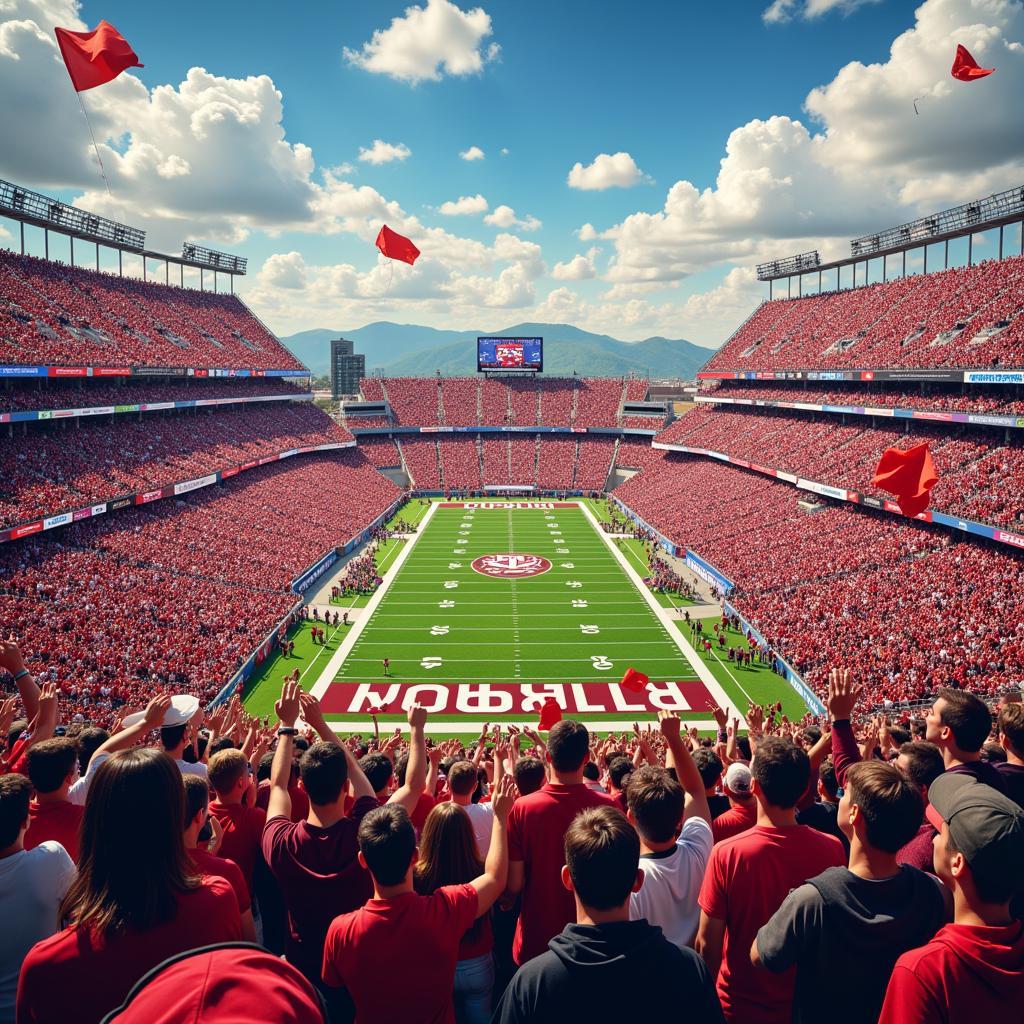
[[421, 934], [300, 801], [747, 878], [243, 834], [59, 821], [966, 972], [77, 978], [737, 819], [221, 867], [536, 836], [319, 877]]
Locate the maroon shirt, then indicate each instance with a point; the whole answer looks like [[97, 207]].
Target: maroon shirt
[[918, 852], [319, 877]]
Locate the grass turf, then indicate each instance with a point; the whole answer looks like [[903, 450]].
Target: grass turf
[[480, 629], [496, 627]]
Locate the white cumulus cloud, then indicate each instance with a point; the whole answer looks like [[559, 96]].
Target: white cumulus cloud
[[579, 268], [463, 206], [473, 153], [616, 170], [384, 152], [426, 43], [505, 217]]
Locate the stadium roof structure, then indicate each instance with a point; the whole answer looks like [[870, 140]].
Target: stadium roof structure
[[21, 204], [994, 211]]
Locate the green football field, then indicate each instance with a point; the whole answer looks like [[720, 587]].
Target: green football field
[[488, 610]]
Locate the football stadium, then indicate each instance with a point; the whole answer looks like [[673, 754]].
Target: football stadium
[[613, 677]]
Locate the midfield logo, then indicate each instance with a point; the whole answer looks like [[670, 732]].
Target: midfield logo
[[510, 566]]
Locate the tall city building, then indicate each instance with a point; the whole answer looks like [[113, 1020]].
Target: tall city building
[[347, 368]]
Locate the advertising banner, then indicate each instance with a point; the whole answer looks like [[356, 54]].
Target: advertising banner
[[708, 572]]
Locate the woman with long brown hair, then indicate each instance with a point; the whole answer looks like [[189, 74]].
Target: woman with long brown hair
[[136, 901], [448, 856]]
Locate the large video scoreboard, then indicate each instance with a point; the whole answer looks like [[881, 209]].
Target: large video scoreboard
[[509, 355]]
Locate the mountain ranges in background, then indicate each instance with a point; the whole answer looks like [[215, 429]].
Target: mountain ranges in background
[[406, 350]]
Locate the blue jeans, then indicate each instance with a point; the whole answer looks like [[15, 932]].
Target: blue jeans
[[474, 983]]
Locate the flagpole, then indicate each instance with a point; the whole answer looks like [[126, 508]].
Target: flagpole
[[92, 135]]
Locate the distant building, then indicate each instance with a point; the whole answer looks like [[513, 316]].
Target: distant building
[[347, 368]]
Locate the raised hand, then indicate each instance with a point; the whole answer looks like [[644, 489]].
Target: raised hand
[[288, 707], [155, 710], [721, 715], [311, 710], [503, 797], [842, 694], [417, 716], [670, 724], [10, 656]]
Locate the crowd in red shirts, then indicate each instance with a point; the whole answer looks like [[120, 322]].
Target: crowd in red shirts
[[1003, 399], [524, 877], [981, 470], [179, 593], [922, 320], [530, 402], [911, 608], [75, 394], [69, 316], [59, 466]]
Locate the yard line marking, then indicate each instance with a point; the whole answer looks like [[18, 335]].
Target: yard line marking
[[338, 659]]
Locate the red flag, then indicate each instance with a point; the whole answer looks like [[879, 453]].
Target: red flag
[[635, 682], [550, 714], [396, 246], [910, 475], [96, 57], [965, 67]]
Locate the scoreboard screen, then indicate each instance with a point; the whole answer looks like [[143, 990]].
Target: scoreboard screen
[[510, 354]]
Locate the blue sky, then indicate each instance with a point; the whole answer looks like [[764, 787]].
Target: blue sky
[[665, 83]]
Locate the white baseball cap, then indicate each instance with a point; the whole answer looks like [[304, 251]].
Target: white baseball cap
[[183, 707]]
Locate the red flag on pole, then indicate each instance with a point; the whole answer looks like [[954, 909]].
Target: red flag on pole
[[550, 714], [635, 682], [96, 57], [910, 475], [396, 246], [965, 67]]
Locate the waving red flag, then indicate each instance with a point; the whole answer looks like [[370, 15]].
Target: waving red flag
[[550, 714], [965, 67], [635, 682], [396, 246], [910, 475], [96, 57]]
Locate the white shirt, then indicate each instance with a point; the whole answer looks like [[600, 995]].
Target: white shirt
[[192, 769], [672, 881], [481, 817], [32, 884]]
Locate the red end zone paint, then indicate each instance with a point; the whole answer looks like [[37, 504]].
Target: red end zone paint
[[524, 699]]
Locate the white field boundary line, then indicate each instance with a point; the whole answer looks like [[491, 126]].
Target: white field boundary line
[[338, 659], [364, 726], [706, 676]]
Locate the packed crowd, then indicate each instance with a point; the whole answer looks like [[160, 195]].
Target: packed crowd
[[981, 470], [912, 608], [1007, 399], [966, 316], [531, 876], [360, 576], [486, 401], [180, 592], [57, 466], [54, 314], [65, 394]]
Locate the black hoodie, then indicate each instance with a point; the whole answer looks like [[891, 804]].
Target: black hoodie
[[625, 969]]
